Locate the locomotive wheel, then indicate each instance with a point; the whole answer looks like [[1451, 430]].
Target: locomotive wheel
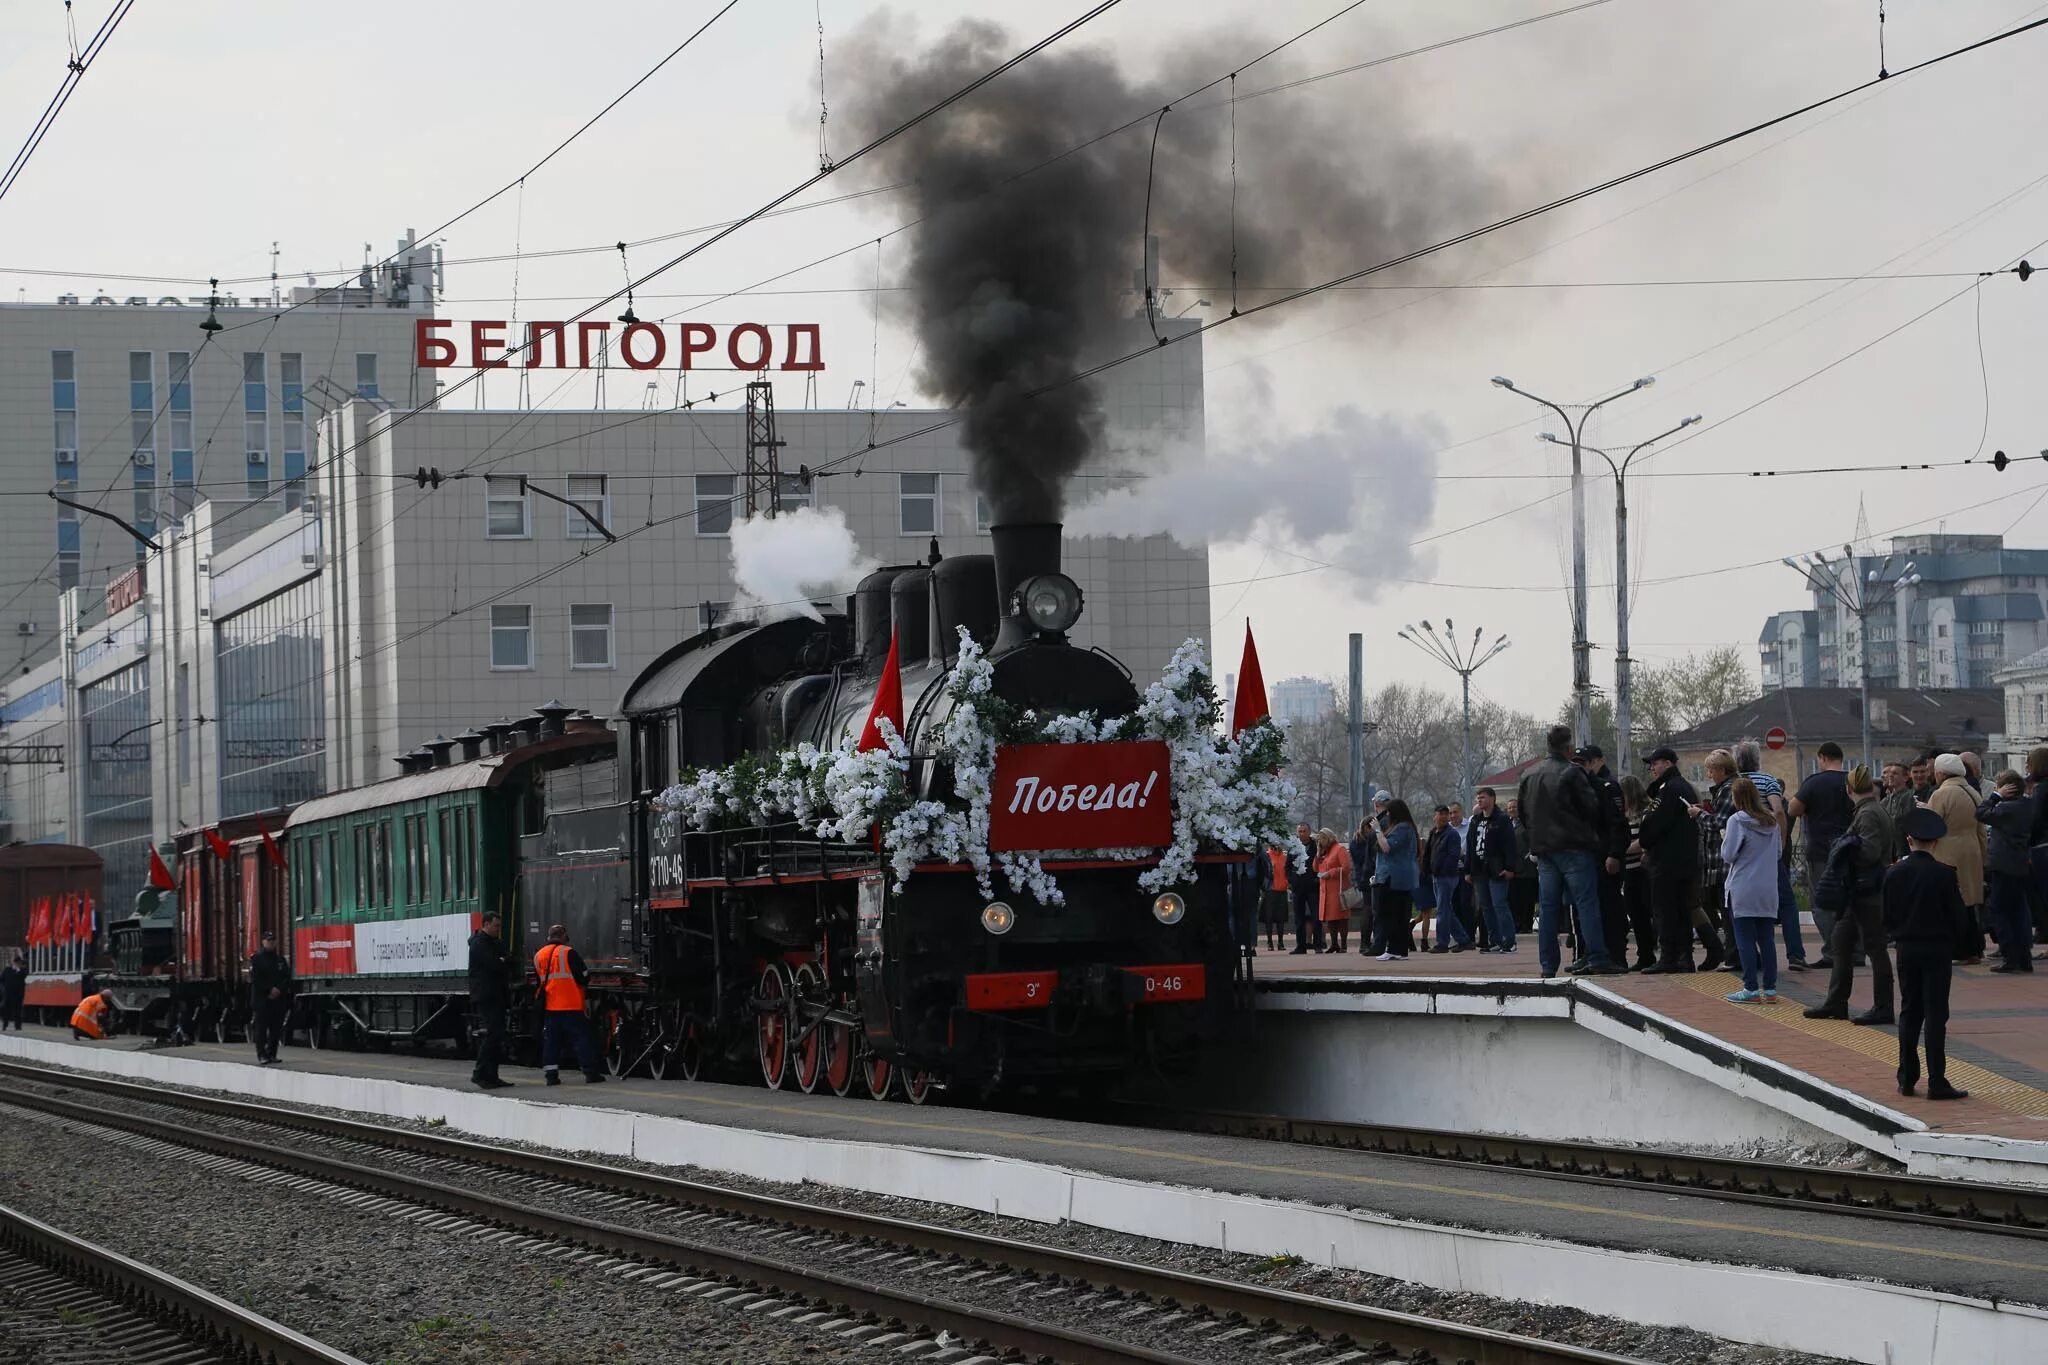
[[317, 1037], [620, 1032], [223, 1028], [918, 1085], [842, 1058], [688, 1054], [877, 1072], [807, 1058], [771, 1025], [661, 1052]]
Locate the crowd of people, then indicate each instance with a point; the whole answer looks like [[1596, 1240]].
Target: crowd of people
[[1927, 863]]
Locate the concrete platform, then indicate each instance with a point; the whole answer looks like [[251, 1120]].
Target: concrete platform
[[1997, 1045], [1797, 1278]]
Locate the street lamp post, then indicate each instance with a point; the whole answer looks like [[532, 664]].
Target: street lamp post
[[1622, 663], [1464, 660], [1582, 648], [1878, 587]]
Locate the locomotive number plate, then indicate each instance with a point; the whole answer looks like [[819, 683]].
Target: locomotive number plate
[[1189, 982], [1011, 990]]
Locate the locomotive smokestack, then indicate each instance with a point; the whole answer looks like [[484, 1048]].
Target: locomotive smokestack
[[1023, 551]]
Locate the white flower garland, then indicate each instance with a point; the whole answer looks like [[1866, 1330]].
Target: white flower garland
[[1225, 791]]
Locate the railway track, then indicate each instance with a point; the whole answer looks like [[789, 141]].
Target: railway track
[[64, 1300], [1884, 1195], [964, 1284]]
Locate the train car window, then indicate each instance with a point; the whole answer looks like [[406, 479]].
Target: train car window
[[469, 866], [444, 826], [362, 867], [330, 853], [383, 844], [316, 886]]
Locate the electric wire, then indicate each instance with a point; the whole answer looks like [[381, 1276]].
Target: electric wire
[[74, 74]]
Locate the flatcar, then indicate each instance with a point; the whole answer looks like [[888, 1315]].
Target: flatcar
[[50, 911]]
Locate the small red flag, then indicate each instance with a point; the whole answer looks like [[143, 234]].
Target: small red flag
[[220, 846], [67, 921], [160, 876], [270, 845], [39, 924], [888, 702], [1251, 707]]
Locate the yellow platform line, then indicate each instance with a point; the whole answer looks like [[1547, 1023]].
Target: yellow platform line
[[1880, 1046]]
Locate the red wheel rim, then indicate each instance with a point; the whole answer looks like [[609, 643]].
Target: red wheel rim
[[917, 1085], [840, 1068], [808, 1057], [877, 1071], [771, 1028]]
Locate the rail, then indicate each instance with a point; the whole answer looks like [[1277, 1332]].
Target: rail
[[1387, 1331], [187, 1311]]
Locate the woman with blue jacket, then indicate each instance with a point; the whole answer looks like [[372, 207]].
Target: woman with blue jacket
[[1396, 873]]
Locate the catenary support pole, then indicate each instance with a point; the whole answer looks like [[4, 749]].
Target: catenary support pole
[[1357, 728]]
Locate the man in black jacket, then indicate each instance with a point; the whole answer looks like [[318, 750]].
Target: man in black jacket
[[270, 984], [13, 988], [1489, 864], [490, 972], [1614, 841], [1306, 890], [1562, 812], [1923, 910], [1671, 854]]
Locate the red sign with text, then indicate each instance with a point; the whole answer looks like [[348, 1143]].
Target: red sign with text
[[1081, 796]]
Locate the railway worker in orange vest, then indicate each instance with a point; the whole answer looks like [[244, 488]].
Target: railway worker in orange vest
[[91, 1018], [562, 976]]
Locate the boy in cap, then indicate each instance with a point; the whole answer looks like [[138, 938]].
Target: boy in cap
[[1922, 909]]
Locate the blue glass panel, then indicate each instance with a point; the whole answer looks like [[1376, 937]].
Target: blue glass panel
[[141, 395], [293, 395], [294, 464], [67, 537], [181, 466], [181, 398], [254, 398], [64, 394]]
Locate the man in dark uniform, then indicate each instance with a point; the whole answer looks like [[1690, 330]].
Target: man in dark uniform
[[1923, 910], [1671, 851], [490, 973], [13, 987], [1613, 852], [1308, 924], [270, 983]]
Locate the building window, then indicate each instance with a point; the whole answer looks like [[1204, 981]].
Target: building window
[[710, 614], [291, 393], [179, 367], [366, 374], [588, 490], [715, 493], [270, 664], [67, 445], [507, 508], [1941, 632], [590, 635], [919, 496], [796, 492], [984, 516], [63, 381], [256, 424], [511, 637]]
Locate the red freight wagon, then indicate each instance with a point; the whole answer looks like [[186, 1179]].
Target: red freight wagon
[[50, 910]]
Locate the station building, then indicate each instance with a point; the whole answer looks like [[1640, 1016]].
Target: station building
[[281, 647]]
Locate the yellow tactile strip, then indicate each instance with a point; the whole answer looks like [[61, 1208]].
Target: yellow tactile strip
[[1879, 1045]]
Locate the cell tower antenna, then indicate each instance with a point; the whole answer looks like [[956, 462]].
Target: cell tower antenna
[[1863, 545], [275, 297]]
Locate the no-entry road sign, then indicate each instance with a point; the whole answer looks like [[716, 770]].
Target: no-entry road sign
[[1774, 738]]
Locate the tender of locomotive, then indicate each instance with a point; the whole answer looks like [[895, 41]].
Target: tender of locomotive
[[844, 956]]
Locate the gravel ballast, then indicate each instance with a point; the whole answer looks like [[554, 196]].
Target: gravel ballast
[[1674, 1345], [386, 1290]]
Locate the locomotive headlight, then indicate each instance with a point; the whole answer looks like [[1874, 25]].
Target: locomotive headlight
[[1051, 602], [998, 918], [1169, 908]]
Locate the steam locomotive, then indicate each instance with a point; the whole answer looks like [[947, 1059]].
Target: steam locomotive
[[760, 947]]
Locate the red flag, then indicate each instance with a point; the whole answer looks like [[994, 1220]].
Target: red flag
[[270, 844], [220, 846], [67, 922], [39, 924], [1251, 688], [888, 702], [160, 876]]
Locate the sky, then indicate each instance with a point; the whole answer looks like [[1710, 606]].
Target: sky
[[1811, 292]]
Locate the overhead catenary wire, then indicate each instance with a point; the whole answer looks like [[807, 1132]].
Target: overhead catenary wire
[[74, 73]]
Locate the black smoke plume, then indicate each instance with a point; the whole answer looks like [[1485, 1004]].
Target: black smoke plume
[[1023, 272]]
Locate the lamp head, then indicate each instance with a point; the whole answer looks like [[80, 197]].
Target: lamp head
[[1644, 382], [1688, 421], [1503, 382], [1549, 436]]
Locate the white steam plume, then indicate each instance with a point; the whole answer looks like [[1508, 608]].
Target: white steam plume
[[1354, 492], [781, 563]]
